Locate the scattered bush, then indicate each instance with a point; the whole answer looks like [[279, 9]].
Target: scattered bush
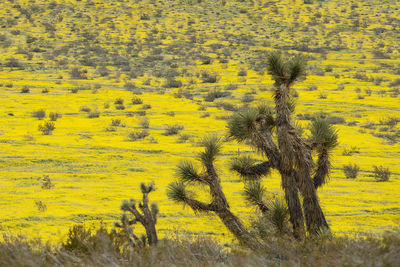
[[137, 101], [116, 122], [119, 101], [54, 116], [351, 171], [146, 106], [47, 127], [212, 95], [39, 114], [77, 73], [119, 107], [85, 109], [144, 122], [208, 77], [93, 114], [133, 136], [381, 173], [173, 129], [25, 90]]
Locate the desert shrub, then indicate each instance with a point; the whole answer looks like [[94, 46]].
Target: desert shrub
[[74, 90], [46, 182], [93, 114], [13, 63], [144, 122], [172, 83], [350, 151], [212, 95], [173, 129], [133, 136], [54, 116], [146, 106], [25, 90], [47, 127], [381, 173], [129, 86], [116, 122], [39, 114], [77, 73], [390, 121], [110, 129], [336, 120], [183, 138], [227, 106], [351, 171], [395, 83], [119, 107], [137, 101], [231, 87], [119, 101], [242, 73], [207, 77], [85, 109], [45, 91], [322, 95], [170, 113]]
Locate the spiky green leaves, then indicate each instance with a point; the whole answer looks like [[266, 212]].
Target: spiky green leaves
[[248, 169], [176, 192], [127, 205], [278, 213], [186, 172], [286, 72], [323, 134], [243, 123], [254, 192], [212, 147], [147, 188]]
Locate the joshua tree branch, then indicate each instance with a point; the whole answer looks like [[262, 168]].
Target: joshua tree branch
[[255, 171]]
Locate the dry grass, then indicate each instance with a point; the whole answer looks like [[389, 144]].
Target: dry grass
[[106, 248]]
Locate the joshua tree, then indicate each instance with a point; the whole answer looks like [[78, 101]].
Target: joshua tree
[[148, 217], [188, 175], [292, 155]]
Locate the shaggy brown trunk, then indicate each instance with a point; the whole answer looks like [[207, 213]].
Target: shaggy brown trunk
[[294, 205], [237, 229], [149, 220], [315, 218], [295, 153]]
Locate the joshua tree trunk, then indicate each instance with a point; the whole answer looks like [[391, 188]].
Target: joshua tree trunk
[[293, 202], [294, 153], [237, 229]]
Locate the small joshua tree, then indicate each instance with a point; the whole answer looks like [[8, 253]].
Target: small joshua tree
[[188, 175], [262, 126], [147, 217]]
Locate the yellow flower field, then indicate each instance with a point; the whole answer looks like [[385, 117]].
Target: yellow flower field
[[353, 78]]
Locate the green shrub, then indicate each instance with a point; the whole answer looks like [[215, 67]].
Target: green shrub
[[47, 127], [351, 171], [25, 90], [133, 136], [39, 114], [173, 129], [93, 114], [144, 122], [137, 101], [54, 116], [381, 173]]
